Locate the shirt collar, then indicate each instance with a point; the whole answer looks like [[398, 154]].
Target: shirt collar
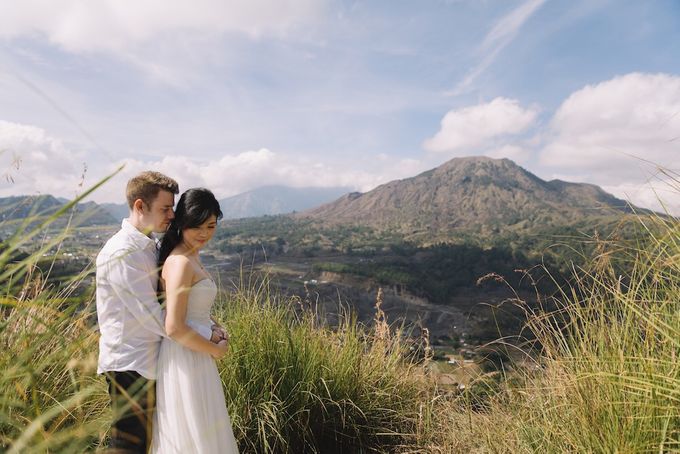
[[138, 238]]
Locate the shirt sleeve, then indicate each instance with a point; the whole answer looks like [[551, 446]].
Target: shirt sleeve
[[132, 285]]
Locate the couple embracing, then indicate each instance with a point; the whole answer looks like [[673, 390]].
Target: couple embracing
[[166, 393]]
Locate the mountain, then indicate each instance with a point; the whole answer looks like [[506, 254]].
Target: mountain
[[478, 195], [21, 207], [17, 208], [118, 211], [271, 200]]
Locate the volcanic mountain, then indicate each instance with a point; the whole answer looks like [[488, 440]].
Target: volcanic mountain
[[477, 195]]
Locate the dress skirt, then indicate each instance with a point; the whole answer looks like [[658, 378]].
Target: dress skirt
[[191, 413]]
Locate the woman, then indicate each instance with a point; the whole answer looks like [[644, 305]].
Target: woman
[[191, 414]]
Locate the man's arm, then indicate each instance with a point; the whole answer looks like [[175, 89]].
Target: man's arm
[[131, 284]]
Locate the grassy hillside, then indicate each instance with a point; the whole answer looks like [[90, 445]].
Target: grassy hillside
[[603, 375]]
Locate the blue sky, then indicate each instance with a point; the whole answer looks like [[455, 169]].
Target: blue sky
[[237, 94]]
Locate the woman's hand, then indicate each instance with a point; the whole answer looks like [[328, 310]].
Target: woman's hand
[[220, 349]]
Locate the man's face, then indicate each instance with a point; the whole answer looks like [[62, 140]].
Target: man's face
[[157, 217]]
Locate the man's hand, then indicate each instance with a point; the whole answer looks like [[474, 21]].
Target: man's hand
[[218, 334]]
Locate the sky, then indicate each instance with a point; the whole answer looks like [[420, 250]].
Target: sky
[[237, 94]]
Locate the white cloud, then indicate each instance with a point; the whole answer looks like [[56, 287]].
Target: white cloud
[[502, 34], [607, 130], [469, 127], [661, 195], [115, 26], [33, 162]]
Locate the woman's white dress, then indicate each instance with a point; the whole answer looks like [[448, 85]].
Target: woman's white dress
[[191, 413]]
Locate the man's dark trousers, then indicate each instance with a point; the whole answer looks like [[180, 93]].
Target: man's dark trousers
[[133, 401]]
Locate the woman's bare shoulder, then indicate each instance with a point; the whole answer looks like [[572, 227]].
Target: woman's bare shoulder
[[176, 259], [177, 264]]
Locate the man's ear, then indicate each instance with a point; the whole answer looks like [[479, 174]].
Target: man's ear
[[138, 205]]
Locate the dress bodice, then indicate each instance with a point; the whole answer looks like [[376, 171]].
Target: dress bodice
[[201, 298]]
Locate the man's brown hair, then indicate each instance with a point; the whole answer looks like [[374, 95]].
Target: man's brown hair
[[146, 186]]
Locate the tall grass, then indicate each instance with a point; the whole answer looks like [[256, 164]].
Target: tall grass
[[616, 358], [608, 375], [50, 398], [297, 386]]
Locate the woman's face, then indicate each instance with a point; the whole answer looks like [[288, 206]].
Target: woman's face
[[198, 237]]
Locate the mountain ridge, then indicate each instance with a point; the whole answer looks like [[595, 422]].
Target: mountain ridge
[[470, 194], [17, 208]]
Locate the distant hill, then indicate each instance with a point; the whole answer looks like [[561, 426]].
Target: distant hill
[[21, 207], [118, 211], [477, 195], [18, 208], [272, 200]]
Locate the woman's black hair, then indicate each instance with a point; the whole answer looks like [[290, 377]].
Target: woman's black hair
[[195, 206]]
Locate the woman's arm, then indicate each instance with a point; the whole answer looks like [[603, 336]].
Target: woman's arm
[[178, 275]]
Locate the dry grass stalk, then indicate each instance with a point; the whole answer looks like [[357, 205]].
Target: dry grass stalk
[[380, 326]]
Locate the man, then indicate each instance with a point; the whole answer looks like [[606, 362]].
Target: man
[[131, 321]]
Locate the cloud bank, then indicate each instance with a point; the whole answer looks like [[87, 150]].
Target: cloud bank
[[235, 173], [33, 162], [622, 134], [603, 129], [115, 26]]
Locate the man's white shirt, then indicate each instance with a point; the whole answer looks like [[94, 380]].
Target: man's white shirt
[[131, 321]]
